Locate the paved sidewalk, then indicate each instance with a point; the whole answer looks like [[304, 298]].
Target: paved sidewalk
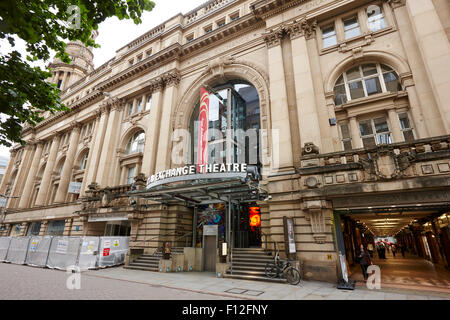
[[197, 282]]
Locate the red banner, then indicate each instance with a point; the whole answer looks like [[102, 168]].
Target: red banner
[[202, 149]]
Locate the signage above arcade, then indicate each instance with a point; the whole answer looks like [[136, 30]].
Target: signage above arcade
[[201, 169]]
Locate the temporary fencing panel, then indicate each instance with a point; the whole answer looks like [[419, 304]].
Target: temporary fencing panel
[[4, 245], [64, 252], [17, 251], [113, 251], [38, 250], [89, 253]]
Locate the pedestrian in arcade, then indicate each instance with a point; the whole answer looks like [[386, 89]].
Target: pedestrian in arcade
[[370, 249], [394, 249], [364, 261], [402, 249]]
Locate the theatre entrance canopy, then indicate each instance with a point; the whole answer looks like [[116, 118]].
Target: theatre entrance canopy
[[239, 184]]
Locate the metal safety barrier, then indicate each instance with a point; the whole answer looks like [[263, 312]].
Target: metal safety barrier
[[18, 248], [4, 246], [63, 252]]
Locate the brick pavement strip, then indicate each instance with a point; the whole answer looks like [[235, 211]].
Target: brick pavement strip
[[24, 282]]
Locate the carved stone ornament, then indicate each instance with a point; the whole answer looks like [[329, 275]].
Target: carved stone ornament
[[310, 148], [387, 165], [171, 78], [396, 3], [216, 66], [315, 213], [273, 37]]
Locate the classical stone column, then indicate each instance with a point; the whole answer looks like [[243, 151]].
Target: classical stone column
[[66, 172], [279, 106], [46, 178], [152, 134], [307, 108], [425, 100], [435, 50], [107, 158], [25, 163], [8, 171], [414, 105], [355, 133], [395, 126], [171, 81], [63, 83], [96, 147], [28, 189]]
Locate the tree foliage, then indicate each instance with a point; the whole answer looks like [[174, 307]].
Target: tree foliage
[[46, 25]]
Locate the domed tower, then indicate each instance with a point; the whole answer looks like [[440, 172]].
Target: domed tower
[[64, 75]]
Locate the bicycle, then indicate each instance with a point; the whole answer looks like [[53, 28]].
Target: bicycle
[[282, 269]]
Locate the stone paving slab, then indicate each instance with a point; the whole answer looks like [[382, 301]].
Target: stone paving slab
[[307, 290]]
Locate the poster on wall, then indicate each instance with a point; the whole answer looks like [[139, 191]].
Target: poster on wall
[[74, 187], [289, 235]]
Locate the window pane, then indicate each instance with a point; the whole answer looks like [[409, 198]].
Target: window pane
[[369, 69], [373, 86], [139, 104], [353, 73], [351, 28], [409, 136], [384, 138], [131, 175], [130, 108], [356, 89], [381, 125], [347, 145], [404, 121], [330, 41], [149, 101], [340, 80], [391, 81], [345, 131], [329, 37], [385, 68], [365, 128], [376, 18], [340, 96]]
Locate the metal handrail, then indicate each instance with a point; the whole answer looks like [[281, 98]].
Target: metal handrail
[[172, 242], [265, 242]]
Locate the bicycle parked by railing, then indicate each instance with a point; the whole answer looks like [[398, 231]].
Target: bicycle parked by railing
[[282, 269]]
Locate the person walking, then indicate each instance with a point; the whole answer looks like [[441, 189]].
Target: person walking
[[370, 249], [363, 260], [394, 249], [402, 249]]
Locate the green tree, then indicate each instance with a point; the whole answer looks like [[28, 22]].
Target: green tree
[[46, 25]]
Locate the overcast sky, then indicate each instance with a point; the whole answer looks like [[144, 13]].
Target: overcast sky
[[114, 34]]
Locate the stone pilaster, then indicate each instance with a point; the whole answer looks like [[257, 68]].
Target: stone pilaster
[[66, 173], [27, 191], [435, 50], [283, 160], [44, 188]]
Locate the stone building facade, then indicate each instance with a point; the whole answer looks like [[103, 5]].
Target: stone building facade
[[358, 92]]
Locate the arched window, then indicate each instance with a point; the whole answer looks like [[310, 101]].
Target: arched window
[[365, 80], [234, 110], [83, 161], [136, 143]]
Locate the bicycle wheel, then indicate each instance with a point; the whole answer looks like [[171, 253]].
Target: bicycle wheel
[[271, 270], [292, 276]]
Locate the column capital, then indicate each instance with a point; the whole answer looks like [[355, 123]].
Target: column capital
[[156, 84], [301, 27], [171, 78], [75, 125], [273, 37]]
